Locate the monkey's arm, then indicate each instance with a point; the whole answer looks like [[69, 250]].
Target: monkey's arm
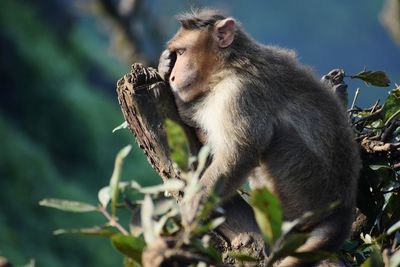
[[240, 156], [236, 147], [233, 171]]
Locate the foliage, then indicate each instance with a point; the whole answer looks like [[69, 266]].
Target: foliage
[[159, 216], [57, 109], [268, 214], [178, 144], [376, 78], [377, 130]]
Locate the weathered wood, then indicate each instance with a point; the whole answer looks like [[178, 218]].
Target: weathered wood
[[142, 96], [146, 101]]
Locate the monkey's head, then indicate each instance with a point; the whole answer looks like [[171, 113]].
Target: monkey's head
[[196, 49]]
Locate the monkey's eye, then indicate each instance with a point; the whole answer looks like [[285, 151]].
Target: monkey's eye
[[180, 51]]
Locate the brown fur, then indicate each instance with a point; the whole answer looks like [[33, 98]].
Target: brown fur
[[265, 114]]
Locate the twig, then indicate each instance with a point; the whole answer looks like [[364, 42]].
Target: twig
[[372, 111], [354, 110], [112, 221], [388, 131], [355, 98], [373, 108], [396, 166], [392, 117], [372, 116]]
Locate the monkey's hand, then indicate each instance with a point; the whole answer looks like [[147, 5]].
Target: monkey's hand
[[166, 64]]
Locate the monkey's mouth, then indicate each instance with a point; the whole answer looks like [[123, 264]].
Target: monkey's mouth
[[183, 88], [186, 86]]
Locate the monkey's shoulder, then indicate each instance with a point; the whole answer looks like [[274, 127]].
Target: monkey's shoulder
[[279, 52]]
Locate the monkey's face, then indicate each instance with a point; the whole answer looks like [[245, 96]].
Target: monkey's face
[[196, 52], [195, 61]]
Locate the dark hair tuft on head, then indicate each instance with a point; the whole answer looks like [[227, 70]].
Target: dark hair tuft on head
[[200, 18]]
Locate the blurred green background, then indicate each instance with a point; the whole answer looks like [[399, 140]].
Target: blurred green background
[[59, 62]]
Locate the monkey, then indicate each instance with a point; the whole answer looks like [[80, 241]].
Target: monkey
[[265, 115]]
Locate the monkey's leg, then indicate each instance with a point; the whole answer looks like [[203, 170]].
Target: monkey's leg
[[327, 236]]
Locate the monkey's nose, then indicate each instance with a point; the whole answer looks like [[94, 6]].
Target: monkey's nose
[[172, 78]]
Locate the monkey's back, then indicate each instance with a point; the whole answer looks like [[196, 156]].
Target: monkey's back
[[312, 157]]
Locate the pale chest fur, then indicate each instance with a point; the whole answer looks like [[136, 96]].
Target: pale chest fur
[[213, 115]]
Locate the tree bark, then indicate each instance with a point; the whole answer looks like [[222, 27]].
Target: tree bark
[[146, 101]]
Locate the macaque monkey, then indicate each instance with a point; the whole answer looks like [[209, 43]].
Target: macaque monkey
[[265, 115]]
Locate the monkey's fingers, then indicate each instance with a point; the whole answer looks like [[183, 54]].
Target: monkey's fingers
[[166, 63]]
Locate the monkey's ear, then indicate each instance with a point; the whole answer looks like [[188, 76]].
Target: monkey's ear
[[225, 32]]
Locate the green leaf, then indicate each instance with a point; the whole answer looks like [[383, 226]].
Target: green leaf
[[162, 206], [146, 213], [375, 260], [241, 256], [377, 124], [135, 185], [95, 231], [67, 205], [169, 185], [159, 225], [128, 262], [392, 104], [104, 196], [207, 207], [172, 227], [203, 248], [349, 245], [192, 190], [377, 167], [393, 228], [123, 125], [376, 78], [268, 212], [116, 177], [395, 259], [202, 160], [129, 246], [31, 263], [200, 229], [216, 222], [178, 143], [193, 186]]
